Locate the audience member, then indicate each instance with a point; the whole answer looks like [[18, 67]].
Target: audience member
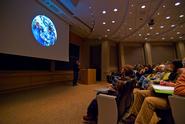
[[146, 102], [116, 90]]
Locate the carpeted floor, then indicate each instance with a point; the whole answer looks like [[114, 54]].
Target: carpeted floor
[[56, 104]]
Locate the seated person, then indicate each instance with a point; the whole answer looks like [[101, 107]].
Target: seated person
[[146, 102], [115, 90], [156, 76], [115, 76], [175, 65], [180, 83]]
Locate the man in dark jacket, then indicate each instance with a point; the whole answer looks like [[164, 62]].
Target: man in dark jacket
[[75, 72]]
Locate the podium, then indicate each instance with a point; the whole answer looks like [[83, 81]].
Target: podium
[[87, 76]]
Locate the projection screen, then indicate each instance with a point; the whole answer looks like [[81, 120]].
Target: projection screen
[[16, 33]]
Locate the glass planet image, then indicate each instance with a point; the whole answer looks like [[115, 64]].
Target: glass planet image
[[44, 30]]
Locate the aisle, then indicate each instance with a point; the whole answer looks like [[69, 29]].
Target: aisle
[[57, 104]]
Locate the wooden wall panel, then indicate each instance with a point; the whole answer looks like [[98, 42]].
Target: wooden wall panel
[[10, 81]]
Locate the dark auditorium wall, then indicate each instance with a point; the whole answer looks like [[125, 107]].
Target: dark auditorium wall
[[163, 52], [113, 57], [84, 49], [134, 54], [150, 53]]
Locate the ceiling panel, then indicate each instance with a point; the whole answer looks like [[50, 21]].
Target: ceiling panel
[[130, 21]]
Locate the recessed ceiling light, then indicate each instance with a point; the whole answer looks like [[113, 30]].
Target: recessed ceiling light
[[139, 34], [172, 26], [180, 37], [143, 6], [104, 23], [115, 10], [158, 13], [161, 26], [151, 28], [146, 38], [163, 38], [177, 3], [132, 5], [178, 32], [168, 17], [148, 33], [105, 35], [157, 33], [108, 29], [130, 28], [113, 21], [164, 6], [103, 11], [171, 38], [181, 16]]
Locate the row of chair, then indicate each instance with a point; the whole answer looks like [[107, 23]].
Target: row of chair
[[108, 111]]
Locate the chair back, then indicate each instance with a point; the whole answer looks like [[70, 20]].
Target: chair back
[[177, 104], [107, 109]]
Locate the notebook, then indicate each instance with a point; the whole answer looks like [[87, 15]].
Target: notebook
[[163, 89]]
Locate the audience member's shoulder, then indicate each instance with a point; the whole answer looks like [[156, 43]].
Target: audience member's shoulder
[[181, 71]]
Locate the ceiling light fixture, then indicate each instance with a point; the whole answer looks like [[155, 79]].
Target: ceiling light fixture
[[106, 36], [148, 33], [157, 33], [113, 21], [108, 29], [161, 26], [180, 37], [139, 34], [163, 38], [130, 28], [168, 17], [151, 28], [146, 38], [171, 38], [158, 13], [164, 6], [115, 10], [181, 16], [172, 26], [143, 6], [90, 7], [177, 3], [178, 32], [104, 12], [104, 23]]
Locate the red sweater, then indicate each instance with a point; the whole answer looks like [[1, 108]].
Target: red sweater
[[180, 85]]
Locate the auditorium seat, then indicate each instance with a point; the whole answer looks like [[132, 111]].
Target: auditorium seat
[[177, 104], [107, 109]]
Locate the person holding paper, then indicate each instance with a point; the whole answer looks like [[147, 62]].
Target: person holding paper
[[146, 102]]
